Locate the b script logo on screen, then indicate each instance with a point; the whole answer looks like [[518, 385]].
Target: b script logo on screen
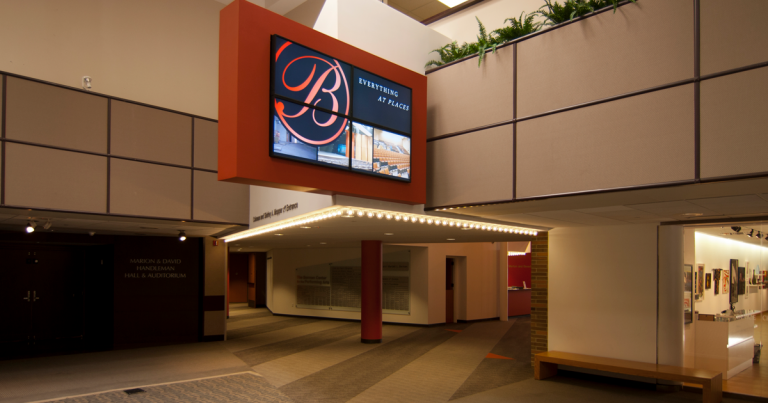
[[309, 77]]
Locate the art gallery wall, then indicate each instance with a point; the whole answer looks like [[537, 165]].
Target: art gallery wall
[[716, 253], [689, 329]]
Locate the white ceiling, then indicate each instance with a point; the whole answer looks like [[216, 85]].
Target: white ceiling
[[711, 201], [16, 220], [725, 231], [419, 10]]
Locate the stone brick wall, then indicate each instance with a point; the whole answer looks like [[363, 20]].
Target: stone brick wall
[[539, 294]]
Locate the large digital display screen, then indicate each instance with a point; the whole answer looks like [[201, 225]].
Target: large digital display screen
[[328, 112]]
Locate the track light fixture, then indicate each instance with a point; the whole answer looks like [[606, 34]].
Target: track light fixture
[[736, 228], [48, 224], [31, 227], [182, 236], [759, 234], [751, 232]]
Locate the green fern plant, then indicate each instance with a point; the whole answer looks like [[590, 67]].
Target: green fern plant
[[517, 27], [555, 13], [484, 42], [452, 51]]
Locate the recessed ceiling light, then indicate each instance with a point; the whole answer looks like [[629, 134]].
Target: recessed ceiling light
[[466, 229], [278, 234], [451, 239], [693, 214], [305, 227], [322, 243], [388, 233]]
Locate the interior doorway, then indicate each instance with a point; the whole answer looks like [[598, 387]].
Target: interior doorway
[[43, 293]]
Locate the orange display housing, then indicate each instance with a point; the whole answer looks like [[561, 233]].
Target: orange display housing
[[244, 110]]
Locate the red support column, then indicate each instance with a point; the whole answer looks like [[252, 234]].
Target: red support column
[[370, 291]]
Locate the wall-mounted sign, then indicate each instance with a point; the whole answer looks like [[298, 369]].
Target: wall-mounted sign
[[328, 112]]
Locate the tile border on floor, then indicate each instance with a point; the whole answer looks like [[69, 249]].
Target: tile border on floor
[[146, 386]]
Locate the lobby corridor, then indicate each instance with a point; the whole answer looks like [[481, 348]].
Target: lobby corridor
[[288, 359]]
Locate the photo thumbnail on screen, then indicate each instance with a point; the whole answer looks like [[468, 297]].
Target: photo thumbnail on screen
[[391, 154], [309, 134], [362, 147]]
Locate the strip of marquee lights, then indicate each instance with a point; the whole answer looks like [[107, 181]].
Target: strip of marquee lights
[[375, 214]]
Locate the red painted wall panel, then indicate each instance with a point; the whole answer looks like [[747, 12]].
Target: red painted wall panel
[[244, 113], [519, 270]]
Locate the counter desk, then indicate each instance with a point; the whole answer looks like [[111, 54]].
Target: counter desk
[[725, 344], [518, 302]]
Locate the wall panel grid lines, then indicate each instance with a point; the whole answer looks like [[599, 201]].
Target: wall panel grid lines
[[451, 109], [471, 167], [733, 134], [631, 142]]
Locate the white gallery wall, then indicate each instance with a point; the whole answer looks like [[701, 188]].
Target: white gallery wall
[[602, 291], [715, 253]]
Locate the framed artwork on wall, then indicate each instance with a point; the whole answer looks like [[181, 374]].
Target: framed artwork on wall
[[726, 280], [688, 293], [708, 281], [699, 278], [716, 275]]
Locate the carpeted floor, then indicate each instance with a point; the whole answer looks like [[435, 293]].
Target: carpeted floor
[[311, 360]]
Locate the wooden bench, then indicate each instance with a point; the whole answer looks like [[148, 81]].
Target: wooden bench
[[545, 366]]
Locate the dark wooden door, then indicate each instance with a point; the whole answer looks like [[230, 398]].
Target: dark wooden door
[[41, 296], [15, 297], [57, 308]]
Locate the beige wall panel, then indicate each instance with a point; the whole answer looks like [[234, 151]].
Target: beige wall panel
[[143, 189], [643, 45], [464, 96], [215, 267], [470, 168], [206, 144], [745, 43], [45, 114], [220, 201], [640, 140], [733, 133], [158, 52], [151, 134], [55, 179]]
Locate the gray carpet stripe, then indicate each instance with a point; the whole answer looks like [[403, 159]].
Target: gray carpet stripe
[[259, 355], [239, 308], [493, 373], [345, 380], [267, 327], [248, 316], [242, 388]]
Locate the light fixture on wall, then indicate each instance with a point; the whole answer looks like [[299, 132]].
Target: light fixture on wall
[[182, 236], [31, 227], [369, 213]]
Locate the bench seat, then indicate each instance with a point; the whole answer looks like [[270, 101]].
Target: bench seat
[[545, 366]]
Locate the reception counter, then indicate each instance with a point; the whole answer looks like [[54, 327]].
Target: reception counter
[[725, 344], [519, 302]]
